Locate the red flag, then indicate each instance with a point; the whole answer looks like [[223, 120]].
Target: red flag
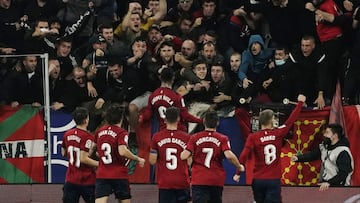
[[336, 109]]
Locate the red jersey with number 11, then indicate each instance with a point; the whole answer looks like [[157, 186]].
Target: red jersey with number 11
[[75, 141]]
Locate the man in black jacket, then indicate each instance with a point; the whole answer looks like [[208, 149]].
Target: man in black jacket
[[337, 163]]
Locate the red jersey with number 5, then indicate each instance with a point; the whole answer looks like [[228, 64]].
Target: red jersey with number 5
[[160, 100], [111, 164], [172, 172], [207, 148], [75, 141], [266, 148]]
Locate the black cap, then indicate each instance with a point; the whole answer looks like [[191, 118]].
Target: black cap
[[97, 39]]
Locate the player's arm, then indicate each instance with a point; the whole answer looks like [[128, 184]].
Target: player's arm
[[85, 159], [234, 160], [125, 152], [185, 154], [153, 156], [63, 151]]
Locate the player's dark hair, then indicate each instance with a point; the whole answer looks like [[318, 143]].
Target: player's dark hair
[[79, 115], [172, 114], [167, 75], [266, 116], [115, 114], [211, 119], [336, 129]]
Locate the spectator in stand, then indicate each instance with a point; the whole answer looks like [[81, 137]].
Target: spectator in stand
[[310, 66], [176, 188], [330, 32], [24, 86], [41, 9], [210, 54], [206, 18], [208, 149], [337, 162], [351, 87], [182, 28], [278, 85], [166, 59], [56, 83], [221, 87], [265, 148], [132, 26], [12, 25], [165, 97], [41, 39], [114, 46], [254, 64], [77, 146], [76, 92], [112, 174], [184, 7], [66, 59], [140, 62]]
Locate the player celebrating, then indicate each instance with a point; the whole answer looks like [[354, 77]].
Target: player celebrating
[[265, 146], [80, 174], [165, 152], [164, 97], [112, 174], [208, 149]]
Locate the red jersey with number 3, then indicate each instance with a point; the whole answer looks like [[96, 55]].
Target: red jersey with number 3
[[111, 164], [75, 141], [160, 100], [266, 148], [172, 172], [207, 148]]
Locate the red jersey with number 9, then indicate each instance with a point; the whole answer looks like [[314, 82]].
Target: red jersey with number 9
[[111, 164], [207, 148], [160, 100], [75, 141]]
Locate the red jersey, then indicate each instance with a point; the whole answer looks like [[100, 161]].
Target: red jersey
[[111, 164], [172, 172], [327, 31], [74, 141], [160, 100], [207, 148], [266, 148]]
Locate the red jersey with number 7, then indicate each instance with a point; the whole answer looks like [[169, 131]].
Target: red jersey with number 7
[[207, 149], [75, 141], [111, 164], [160, 100], [266, 148], [172, 172]]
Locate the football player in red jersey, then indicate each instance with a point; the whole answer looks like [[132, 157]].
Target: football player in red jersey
[[111, 143], [207, 149], [265, 145], [164, 97], [172, 172], [80, 174]]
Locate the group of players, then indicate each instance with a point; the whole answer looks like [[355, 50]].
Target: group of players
[[174, 152]]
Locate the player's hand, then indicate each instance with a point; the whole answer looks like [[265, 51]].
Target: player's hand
[[294, 158], [324, 186], [141, 162], [236, 178], [301, 98], [320, 102]]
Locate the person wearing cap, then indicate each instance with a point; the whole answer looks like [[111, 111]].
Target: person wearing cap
[[337, 162]]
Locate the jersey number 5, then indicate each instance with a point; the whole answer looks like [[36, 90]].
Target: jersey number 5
[[171, 158]]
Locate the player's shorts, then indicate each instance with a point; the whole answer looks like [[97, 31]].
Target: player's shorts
[[120, 188], [206, 193], [73, 192], [174, 195], [142, 100], [267, 190]]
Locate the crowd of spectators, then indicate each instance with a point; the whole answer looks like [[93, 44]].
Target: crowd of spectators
[[224, 53]]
